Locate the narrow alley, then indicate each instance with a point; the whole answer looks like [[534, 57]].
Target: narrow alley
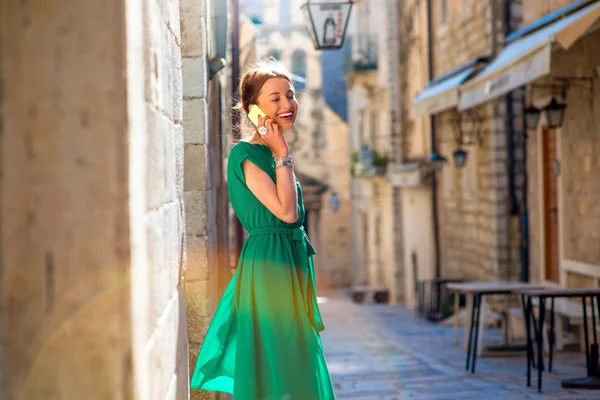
[[385, 352]]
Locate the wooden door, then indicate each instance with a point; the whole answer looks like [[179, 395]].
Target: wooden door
[[550, 171]]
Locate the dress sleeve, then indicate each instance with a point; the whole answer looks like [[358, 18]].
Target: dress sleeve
[[239, 153]]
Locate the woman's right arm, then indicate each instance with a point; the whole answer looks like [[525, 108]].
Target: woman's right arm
[[280, 197]]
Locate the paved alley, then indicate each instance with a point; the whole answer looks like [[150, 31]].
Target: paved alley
[[385, 352]]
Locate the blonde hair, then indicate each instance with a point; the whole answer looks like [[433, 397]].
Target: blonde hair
[[251, 84]]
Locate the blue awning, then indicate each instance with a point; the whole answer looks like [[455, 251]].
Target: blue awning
[[527, 58], [439, 95]]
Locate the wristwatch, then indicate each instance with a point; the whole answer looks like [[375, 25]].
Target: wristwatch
[[285, 161]]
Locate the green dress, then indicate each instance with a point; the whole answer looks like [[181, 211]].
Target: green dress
[[263, 342]]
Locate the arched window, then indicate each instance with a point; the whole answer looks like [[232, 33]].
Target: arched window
[[299, 69]]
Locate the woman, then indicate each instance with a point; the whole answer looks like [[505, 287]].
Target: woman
[[263, 342]]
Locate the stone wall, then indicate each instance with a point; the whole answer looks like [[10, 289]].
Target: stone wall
[[475, 222], [205, 192], [160, 348], [579, 213], [478, 236], [535, 9], [92, 187], [465, 35]]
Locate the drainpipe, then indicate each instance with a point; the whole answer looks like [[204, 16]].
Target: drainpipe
[[434, 194], [516, 207], [510, 121], [524, 222]]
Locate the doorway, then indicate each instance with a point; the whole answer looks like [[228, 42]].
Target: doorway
[[550, 173]]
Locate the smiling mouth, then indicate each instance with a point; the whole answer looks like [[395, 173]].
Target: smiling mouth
[[286, 116]]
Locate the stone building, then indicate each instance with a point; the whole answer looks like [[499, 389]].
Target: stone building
[[373, 117], [99, 103], [551, 60], [411, 173], [319, 142], [478, 206]]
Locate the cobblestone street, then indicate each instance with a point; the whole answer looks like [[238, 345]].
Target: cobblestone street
[[385, 352]]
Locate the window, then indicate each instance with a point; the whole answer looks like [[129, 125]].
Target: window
[[299, 69]]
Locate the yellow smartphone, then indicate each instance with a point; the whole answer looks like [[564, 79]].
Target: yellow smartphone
[[254, 113]]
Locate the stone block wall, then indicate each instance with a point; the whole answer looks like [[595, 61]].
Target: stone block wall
[[204, 189], [468, 33], [478, 236], [160, 348], [195, 127], [475, 224], [91, 201], [535, 9]]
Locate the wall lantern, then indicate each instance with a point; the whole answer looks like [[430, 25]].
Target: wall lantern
[[437, 161], [555, 113], [366, 158], [532, 117], [460, 157], [467, 128], [327, 23], [334, 202], [555, 110]]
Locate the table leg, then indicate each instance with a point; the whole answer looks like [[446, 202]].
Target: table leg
[[466, 321], [456, 319], [540, 340], [594, 347], [480, 324], [551, 338], [534, 325], [479, 300], [526, 307], [471, 325], [586, 335], [506, 333], [591, 381]]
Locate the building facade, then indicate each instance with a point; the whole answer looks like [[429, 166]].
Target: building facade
[[373, 118], [478, 203], [561, 162], [319, 142], [98, 106], [522, 206], [411, 173]]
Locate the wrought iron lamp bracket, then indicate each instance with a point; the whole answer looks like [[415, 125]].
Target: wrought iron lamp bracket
[[471, 137]]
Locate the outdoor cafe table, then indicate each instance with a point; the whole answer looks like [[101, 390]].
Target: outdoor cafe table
[[592, 381], [475, 292]]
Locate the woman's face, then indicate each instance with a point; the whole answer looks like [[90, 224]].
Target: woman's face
[[278, 100]]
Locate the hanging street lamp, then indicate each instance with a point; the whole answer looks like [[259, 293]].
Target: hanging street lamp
[[327, 23], [555, 113], [334, 202], [437, 161], [532, 117], [460, 157]]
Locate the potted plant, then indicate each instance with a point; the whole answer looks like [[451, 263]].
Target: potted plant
[[380, 162]]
